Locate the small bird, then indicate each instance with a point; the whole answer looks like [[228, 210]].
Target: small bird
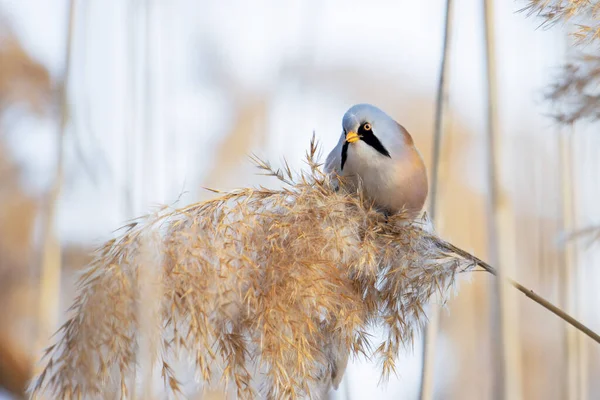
[[379, 153]]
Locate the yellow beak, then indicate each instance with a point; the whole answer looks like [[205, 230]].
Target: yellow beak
[[352, 137]]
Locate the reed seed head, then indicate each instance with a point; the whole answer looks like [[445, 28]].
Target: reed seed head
[[266, 291]]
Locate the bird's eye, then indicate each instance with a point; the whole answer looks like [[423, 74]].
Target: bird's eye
[[367, 127]]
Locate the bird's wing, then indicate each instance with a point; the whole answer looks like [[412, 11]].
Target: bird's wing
[[405, 135]]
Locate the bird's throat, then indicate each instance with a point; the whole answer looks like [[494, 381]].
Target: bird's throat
[[372, 141]]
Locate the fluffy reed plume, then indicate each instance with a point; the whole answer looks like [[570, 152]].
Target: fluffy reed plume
[[575, 92], [576, 89], [267, 291], [584, 13]]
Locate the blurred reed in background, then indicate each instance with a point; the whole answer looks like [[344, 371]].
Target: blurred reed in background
[[25, 88]]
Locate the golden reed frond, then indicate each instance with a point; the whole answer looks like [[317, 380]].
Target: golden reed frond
[[266, 291], [575, 91], [553, 11]]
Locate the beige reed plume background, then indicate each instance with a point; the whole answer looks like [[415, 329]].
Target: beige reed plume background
[[265, 291], [575, 92]]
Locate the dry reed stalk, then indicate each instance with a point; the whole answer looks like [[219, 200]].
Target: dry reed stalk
[[51, 252], [570, 264], [503, 325], [431, 330], [148, 313], [266, 291], [527, 292]]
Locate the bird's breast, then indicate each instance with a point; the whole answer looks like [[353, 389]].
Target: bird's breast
[[395, 183]]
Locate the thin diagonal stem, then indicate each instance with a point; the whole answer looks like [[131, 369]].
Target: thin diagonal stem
[[526, 291]]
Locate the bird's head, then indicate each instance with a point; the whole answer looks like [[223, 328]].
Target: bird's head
[[369, 124]]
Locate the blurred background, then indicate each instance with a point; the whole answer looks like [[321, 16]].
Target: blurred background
[[109, 108]]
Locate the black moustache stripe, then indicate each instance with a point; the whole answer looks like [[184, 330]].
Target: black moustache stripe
[[372, 141], [369, 138], [344, 153]]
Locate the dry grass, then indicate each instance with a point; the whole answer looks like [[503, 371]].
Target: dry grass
[[267, 291]]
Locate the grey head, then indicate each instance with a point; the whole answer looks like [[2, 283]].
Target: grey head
[[361, 113], [375, 128]]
